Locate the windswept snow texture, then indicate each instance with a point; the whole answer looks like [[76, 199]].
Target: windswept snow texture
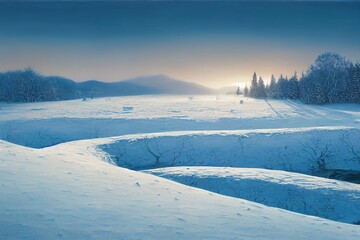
[[331, 199], [304, 150], [69, 192], [44, 124]]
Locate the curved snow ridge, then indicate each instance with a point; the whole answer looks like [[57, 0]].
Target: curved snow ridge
[[331, 199], [41, 133], [298, 149], [67, 192]]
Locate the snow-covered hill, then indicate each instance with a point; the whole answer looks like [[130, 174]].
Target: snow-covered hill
[[68, 192], [155, 84], [162, 84]]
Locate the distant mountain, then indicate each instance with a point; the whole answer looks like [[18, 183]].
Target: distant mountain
[[162, 84], [157, 84], [94, 88]]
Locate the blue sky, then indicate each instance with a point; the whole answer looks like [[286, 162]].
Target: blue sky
[[212, 43]]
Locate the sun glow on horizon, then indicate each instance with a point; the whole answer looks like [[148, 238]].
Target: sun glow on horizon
[[209, 47]]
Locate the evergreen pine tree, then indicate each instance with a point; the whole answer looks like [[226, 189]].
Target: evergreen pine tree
[[238, 91], [293, 87], [272, 87], [254, 87], [281, 86], [261, 89], [246, 91]]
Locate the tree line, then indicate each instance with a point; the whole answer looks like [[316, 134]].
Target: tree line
[[330, 79], [30, 86]]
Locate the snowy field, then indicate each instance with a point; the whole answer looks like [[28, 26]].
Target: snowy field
[[176, 167], [33, 124]]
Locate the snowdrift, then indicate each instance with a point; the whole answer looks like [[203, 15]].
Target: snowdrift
[[331, 199], [68, 192]]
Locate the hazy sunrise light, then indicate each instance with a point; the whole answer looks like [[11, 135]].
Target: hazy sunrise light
[[212, 43]]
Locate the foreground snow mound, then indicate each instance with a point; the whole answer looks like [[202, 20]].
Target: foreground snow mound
[[331, 199], [68, 192], [308, 150]]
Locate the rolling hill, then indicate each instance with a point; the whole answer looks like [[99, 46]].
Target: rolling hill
[[156, 84]]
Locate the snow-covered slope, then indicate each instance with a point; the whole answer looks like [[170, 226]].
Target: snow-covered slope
[[68, 192], [331, 199]]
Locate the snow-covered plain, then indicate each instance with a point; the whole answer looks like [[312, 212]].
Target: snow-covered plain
[[74, 190], [45, 124]]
